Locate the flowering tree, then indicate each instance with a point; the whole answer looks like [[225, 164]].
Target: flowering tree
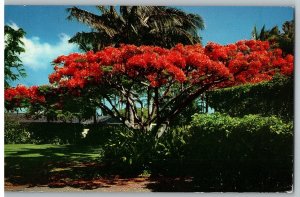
[[148, 84]]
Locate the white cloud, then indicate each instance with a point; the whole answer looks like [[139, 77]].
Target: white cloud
[[39, 55], [13, 25]]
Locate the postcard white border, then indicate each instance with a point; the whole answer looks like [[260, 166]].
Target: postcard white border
[[154, 2], [292, 3]]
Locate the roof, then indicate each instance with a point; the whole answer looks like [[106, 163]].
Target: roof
[[21, 117]]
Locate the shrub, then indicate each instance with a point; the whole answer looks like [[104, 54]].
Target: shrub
[[170, 151], [128, 151], [14, 132], [99, 134], [252, 153]]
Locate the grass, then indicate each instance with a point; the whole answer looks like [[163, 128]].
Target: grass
[[60, 152], [42, 164]]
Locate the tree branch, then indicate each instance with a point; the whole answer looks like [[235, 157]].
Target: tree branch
[[113, 106]]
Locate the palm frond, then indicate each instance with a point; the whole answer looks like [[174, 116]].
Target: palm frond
[[262, 34], [91, 41], [103, 9], [254, 33], [160, 25], [91, 19], [172, 17]]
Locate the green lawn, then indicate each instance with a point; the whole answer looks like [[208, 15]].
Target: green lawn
[[43, 164], [60, 152]]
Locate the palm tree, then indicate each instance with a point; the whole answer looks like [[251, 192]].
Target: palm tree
[[139, 25]]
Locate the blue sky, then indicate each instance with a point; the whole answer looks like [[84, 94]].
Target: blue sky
[[48, 30]]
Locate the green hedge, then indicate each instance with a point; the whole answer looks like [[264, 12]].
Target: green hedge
[[17, 132], [275, 97], [252, 153], [54, 133], [251, 138]]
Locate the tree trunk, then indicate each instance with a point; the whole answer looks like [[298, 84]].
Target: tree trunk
[[156, 102], [130, 106], [206, 103]]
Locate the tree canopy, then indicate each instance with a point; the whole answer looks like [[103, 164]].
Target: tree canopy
[[13, 67], [279, 39], [160, 82]]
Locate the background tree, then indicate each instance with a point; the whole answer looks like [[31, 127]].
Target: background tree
[[278, 39], [138, 25], [13, 67]]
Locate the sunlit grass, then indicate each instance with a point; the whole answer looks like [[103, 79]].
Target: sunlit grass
[[52, 151]]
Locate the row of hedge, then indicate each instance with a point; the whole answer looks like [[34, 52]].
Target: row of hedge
[[17, 132], [275, 97]]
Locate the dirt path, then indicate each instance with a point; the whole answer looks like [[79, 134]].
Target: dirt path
[[101, 185]]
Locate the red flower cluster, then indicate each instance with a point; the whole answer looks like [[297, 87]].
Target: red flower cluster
[[21, 96], [243, 62]]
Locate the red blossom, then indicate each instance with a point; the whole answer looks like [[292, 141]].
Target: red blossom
[[249, 61], [21, 96]]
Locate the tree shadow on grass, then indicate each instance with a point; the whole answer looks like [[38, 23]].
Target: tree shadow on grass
[[58, 166]]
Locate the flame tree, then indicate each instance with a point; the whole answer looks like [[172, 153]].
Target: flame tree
[[144, 85]]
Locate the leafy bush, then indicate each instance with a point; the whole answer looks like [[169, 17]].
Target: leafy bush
[[14, 132], [185, 117], [249, 137], [252, 153], [170, 151], [128, 151]]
